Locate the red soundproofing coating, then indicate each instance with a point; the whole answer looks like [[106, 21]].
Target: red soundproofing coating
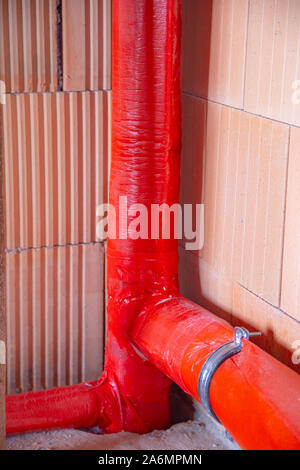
[[146, 131]]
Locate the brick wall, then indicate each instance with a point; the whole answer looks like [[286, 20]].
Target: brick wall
[[55, 60], [241, 158]]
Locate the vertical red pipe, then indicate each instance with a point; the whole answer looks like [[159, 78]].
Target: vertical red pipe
[[146, 141], [131, 394]]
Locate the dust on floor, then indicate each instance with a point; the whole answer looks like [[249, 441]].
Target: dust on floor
[[190, 435]]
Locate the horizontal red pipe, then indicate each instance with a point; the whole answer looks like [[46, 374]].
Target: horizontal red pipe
[[76, 406], [56, 408], [254, 395]]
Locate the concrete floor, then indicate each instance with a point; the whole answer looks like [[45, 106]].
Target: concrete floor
[[199, 434], [192, 429]]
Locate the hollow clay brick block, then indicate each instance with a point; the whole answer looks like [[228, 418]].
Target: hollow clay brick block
[[290, 295], [245, 183], [28, 45], [3, 355], [193, 152], [201, 283], [279, 331], [55, 317], [273, 59], [55, 153], [214, 49], [86, 44]]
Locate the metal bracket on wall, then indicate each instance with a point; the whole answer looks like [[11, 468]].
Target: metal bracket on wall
[[214, 361]]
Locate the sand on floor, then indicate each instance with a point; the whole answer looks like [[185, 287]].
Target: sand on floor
[[202, 434]]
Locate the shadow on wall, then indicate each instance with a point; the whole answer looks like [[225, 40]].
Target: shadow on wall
[[196, 62]]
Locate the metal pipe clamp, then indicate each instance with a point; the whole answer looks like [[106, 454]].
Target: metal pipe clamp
[[214, 361]]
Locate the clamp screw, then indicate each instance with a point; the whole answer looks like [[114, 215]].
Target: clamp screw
[[241, 332]]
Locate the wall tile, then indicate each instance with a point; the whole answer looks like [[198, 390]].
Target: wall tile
[[238, 166], [3, 348], [55, 318], [193, 154], [245, 182], [290, 297], [279, 332], [273, 63], [86, 44], [28, 45], [214, 47], [201, 283], [55, 152], [193, 149], [206, 286]]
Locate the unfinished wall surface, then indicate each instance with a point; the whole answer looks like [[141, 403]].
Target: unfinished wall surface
[[241, 139], [86, 43], [2, 299], [55, 61], [28, 46], [240, 158]]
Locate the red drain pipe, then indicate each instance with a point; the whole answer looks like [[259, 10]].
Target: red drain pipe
[[153, 332]]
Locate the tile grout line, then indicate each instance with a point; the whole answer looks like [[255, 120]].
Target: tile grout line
[[246, 55], [240, 109], [278, 309], [49, 92], [59, 44], [284, 217], [67, 245]]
